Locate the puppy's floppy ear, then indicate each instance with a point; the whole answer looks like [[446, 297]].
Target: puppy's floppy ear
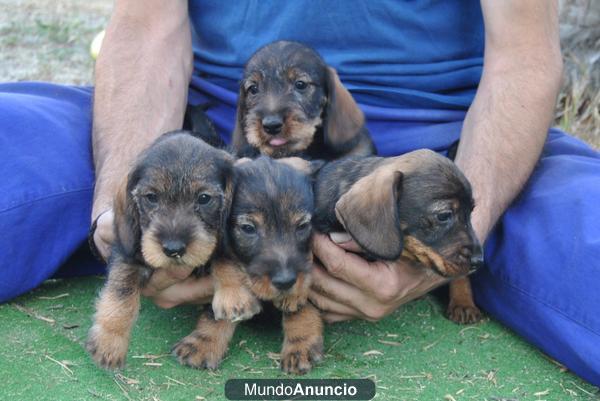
[[127, 218], [369, 212], [344, 121], [239, 137]]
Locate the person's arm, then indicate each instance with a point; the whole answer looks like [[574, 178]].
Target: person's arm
[[502, 138], [142, 77], [507, 124], [141, 80]]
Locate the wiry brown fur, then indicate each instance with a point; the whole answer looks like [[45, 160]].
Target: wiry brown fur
[[116, 311], [420, 211], [462, 308], [296, 299], [427, 256], [169, 214], [233, 299], [288, 94], [200, 249], [295, 126], [303, 340], [205, 347]]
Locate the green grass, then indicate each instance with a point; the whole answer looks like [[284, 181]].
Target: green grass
[[49, 40], [415, 354]]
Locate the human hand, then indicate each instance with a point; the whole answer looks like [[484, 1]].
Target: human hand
[[104, 234], [190, 290], [346, 286], [167, 287]]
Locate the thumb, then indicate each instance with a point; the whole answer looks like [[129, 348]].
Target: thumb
[[345, 241]]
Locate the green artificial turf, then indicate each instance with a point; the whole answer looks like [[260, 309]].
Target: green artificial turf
[[415, 354]]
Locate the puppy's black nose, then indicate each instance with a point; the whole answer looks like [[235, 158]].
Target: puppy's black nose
[[284, 280], [477, 258], [173, 248], [272, 124]]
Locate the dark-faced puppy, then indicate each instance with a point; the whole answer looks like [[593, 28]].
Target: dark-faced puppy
[[416, 206], [267, 257], [291, 103], [270, 226], [169, 214]]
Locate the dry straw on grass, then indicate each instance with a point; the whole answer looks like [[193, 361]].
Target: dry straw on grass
[[578, 107]]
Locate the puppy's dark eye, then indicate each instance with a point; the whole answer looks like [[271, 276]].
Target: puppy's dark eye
[[300, 85], [203, 199], [151, 198], [303, 226], [444, 216], [248, 228], [253, 89]]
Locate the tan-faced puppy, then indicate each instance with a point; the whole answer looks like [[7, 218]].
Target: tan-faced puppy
[[169, 214], [416, 206], [266, 257], [291, 103]]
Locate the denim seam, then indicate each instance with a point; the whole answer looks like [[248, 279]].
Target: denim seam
[[535, 298], [45, 198]]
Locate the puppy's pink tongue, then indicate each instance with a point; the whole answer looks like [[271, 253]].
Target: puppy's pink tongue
[[277, 141]]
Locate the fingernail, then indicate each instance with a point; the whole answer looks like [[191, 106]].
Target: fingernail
[[340, 238]]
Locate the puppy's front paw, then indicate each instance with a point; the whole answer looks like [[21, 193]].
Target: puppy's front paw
[[235, 305], [290, 303], [199, 351], [463, 314], [108, 349], [299, 355]]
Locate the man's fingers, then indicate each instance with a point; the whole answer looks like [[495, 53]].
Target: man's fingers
[[351, 246], [347, 266], [334, 317], [329, 305], [161, 279], [338, 290], [180, 273], [193, 290], [345, 241], [102, 246], [104, 235], [164, 278]]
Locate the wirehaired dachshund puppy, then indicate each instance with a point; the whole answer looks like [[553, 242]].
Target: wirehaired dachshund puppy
[[267, 257], [291, 103], [169, 214], [416, 206]]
